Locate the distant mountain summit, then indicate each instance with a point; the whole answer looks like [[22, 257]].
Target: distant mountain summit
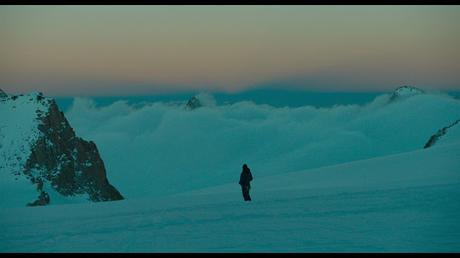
[[404, 92], [193, 103], [38, 144], [200, 100]]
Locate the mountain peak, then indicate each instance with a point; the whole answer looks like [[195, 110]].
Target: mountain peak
[[405, 91], [193, 103], [200, 100], [39, 148]]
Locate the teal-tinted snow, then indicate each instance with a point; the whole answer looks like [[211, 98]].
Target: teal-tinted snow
[[451, 134], [408, 169], [408, 202], [58, 199], [18, 130], [160, 149], [19, 120]]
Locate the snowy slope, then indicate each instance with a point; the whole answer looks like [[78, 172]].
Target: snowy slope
[[452, 135], [409, 202], [445, 135], [18, 131]]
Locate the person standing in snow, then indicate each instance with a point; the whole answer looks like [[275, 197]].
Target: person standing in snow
[[245, 179]]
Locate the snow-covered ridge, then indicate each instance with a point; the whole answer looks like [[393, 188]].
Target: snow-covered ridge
[[41, 155], [404, 92], [453, 131]]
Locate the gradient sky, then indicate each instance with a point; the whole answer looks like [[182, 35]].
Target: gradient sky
[[110, 50]]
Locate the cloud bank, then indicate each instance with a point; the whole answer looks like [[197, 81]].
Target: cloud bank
[[162, 148]]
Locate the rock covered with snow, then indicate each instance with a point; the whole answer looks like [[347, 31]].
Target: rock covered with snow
[[39, 152], [405, 92], [200, 100], [193, 103], [447, 134]]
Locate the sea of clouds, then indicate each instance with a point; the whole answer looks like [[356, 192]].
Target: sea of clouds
[[161, 148]]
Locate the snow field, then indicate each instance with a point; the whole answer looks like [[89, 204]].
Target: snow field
[[319, 213]]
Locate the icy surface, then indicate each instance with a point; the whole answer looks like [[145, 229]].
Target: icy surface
[[408, 202]]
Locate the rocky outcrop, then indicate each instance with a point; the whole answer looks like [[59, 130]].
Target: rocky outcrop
[[43, 198], [193, 103], [67, 163], [440, 133], [200, 100], [404, 92], [71, 164]]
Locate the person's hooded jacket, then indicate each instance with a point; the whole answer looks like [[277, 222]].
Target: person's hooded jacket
[[245, 176]]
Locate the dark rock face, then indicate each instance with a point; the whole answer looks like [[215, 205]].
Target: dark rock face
[[193, 103], [72, 165], [43, 199], [441, 132]]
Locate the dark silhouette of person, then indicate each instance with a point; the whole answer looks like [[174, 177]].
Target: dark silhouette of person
[[245, 179]]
